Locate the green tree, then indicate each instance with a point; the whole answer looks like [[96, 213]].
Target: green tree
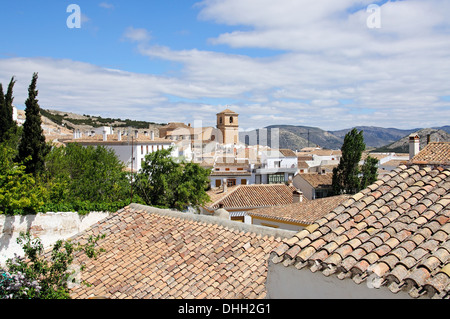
[[163, 182], [77, 174], [6, 110], [33, 148], [346, 175], [369, 172], [20, 194]]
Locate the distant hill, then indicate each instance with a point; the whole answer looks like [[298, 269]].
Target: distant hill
[[293, 137], [72, 120], [402, 145], [382, 139], [377, 136]]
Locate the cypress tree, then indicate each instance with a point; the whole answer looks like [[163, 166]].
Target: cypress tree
[[3, 114], [6, 110], [346, 174], [33, 143]]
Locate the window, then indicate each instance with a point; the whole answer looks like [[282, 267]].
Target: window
[[276, 178], [218, 183], [231, 182], [243, 181], [231, 119]]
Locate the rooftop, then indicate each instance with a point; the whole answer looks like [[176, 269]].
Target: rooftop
[[435, 153], [160, 254], [394, 234], [305, 212], [318, 180], [251, 196]]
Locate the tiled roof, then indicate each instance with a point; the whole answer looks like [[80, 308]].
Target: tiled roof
[[160, 254], [318, 180], [435, 153], [394, 233], [306, 212], [227, 111], [252, 196], [288, 153], [113, 140]]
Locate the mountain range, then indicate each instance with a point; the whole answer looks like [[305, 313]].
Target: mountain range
[[376, 138]]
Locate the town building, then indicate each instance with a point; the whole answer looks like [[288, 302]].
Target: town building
[[314, 185], [230, 171], [228, 124], [239, 200], [276, 166], [130, 147]]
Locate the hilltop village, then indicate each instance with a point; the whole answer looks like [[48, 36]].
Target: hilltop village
[[272, 228]]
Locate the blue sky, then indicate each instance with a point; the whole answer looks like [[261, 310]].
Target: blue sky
[[305, 62]]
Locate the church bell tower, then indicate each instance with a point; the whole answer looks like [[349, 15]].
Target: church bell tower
[[228, 124]]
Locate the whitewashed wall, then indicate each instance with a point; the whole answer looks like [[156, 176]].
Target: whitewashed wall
[[291, 283], [49, 227]]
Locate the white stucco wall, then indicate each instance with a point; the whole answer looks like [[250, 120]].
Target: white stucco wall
[[275, 224], [49, 227], [291, 283]]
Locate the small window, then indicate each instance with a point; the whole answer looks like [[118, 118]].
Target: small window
[[231, 119]]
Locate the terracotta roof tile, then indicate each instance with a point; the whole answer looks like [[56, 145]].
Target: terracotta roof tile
[[251, 196], [403, 239], [435, 153], [153, 253], [306, 212]]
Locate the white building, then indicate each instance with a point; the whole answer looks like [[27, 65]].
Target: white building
[[276, 166], [131, 149]]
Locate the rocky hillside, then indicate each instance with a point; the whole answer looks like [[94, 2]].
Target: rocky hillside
[[293, 137], [402, 145], [378, 136]]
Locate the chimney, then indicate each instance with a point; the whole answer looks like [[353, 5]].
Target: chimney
[[105, 135], [152, 135], [136, 134], [225, 185], [414, 145], [428, 138], [119, 135], [297, 196]]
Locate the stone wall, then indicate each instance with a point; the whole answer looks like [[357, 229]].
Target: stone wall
[[49, 227]]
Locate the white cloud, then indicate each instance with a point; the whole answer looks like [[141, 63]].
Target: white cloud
[[137, 35], [106, 5], [394, 75]]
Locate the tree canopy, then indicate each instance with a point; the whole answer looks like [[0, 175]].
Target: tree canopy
[[347, 176], [163, 182]]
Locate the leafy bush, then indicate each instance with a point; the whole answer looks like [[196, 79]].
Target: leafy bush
[[19, 192], [36, 276]]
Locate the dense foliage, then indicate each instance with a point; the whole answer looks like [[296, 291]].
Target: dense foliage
[[6, 109], [165, 183], [348, 178], [38, 177]]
